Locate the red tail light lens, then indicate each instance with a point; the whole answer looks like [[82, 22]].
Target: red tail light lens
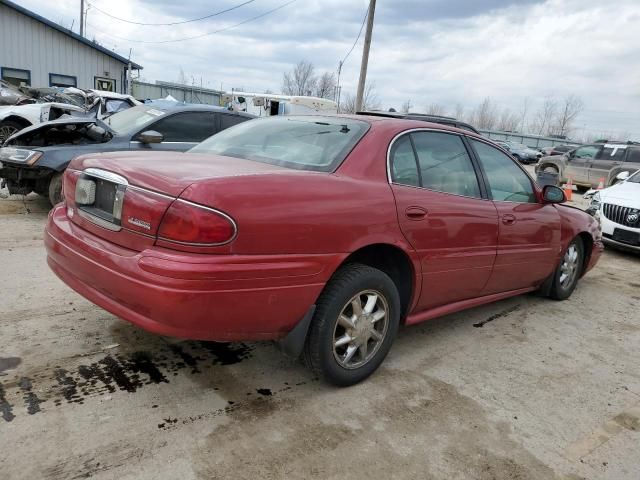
[[188, 223]]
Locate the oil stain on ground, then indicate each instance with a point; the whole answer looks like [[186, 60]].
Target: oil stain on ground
[[118, 372]]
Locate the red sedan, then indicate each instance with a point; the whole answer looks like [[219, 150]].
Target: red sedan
[[324, 233]]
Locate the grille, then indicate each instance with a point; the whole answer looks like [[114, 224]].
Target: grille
[[619, 214]]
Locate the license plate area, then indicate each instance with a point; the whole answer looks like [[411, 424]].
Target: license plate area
[[626, 236], [99, 198]]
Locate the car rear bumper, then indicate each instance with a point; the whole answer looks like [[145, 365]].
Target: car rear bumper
[[204, 297]]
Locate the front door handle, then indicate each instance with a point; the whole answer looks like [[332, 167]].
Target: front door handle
[[508, 219], [415, 213]]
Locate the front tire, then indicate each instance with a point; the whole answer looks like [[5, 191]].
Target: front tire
[[355, 323], [7, 129], [568, 272]]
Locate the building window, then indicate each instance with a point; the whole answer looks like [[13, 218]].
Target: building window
[[106, 84], [57, 80], [16, 76]]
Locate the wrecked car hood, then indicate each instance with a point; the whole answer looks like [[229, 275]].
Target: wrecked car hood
[[29, 132]]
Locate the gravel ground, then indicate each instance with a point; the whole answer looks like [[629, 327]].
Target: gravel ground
[[526, 388]]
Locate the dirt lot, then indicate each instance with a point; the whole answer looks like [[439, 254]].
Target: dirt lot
[[526, 388]]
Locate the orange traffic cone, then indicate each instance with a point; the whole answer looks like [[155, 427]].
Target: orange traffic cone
[[568, 189], [600, 184]]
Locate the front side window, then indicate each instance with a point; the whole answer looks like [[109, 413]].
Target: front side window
[[445, 165], [301, 142], [590, 151], [186, 127], [507, 182]]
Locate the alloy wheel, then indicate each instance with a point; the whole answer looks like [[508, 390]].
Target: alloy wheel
[[5, 132], [360, 329], [569, 266]]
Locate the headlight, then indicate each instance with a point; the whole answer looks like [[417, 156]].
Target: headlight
[[19, 155], [595, 200]]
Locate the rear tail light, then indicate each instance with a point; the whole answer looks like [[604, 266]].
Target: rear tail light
[[188, 223], [69, 183]]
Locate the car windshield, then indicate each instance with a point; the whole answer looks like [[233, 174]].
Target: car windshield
[[303, 143], [128, 120], [635, 178]]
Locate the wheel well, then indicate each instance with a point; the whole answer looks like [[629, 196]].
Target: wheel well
[[392, 261], [587, 243], [16, 119]]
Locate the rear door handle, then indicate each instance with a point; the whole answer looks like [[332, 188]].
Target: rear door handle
[[508, 219], [415, 213]]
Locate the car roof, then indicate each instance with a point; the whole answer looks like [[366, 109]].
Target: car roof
[[422, 117]]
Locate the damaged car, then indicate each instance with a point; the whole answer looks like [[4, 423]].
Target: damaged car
[[36, 105], [34, 159]]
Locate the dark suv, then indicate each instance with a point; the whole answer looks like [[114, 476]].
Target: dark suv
[[423, 117], [588, 164]]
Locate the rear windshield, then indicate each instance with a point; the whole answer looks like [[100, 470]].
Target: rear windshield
[[303, 143]]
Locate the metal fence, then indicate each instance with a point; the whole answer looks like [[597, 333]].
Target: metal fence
[[184, 93], [532, 141]]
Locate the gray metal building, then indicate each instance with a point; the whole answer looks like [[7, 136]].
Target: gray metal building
[[38, 52]]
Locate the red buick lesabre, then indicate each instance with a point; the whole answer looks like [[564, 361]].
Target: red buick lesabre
[[324, 233]]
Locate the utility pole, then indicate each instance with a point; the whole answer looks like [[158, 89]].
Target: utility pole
[[365, 55], [82, 18]]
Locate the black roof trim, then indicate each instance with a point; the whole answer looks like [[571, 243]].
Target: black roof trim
[[68, 32]]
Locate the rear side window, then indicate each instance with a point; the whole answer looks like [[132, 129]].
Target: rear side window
[[186, 127], [445, 165], [404, 168], [634, 155], [613, 153], [507, 182]]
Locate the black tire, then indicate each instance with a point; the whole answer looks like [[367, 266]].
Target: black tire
[[8, 128], [561, 290], [346, 285], [55, 189]]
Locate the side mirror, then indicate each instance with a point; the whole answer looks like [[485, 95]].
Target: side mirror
[[553, 194], [150, 136], [622, 176]]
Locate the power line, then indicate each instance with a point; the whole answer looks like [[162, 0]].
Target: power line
[[364, 20], [198, 36], [172, 23]]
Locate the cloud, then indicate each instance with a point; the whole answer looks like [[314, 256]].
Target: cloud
[[426, 51]]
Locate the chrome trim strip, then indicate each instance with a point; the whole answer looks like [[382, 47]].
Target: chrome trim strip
[[222, 214], [106, 175], [144, 190], [98, 221]]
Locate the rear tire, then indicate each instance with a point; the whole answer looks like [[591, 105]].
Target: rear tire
[[354, 325], [55, 189], [568, 272]]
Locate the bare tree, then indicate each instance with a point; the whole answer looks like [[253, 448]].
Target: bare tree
[[571, 107], [523, 113], [370, 100], [300, 81], [459, 111], [485, 115], [182, 78], [544, 116], [508, 121], [436, 109], [406, 107], [326, 85]]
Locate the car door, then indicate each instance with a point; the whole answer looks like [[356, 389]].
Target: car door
[[445, 215], [579, 162], [181, 131], [529, 231], [610, 157]]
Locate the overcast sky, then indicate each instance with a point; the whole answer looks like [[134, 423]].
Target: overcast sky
[[426, 51]]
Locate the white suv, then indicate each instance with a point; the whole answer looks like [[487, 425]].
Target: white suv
[[618, 209]]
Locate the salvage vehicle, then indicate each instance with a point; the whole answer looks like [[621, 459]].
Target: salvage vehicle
[[35, 158], [618, 210], [269, 104], [51, 103], [589, 165], [324, 233]]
